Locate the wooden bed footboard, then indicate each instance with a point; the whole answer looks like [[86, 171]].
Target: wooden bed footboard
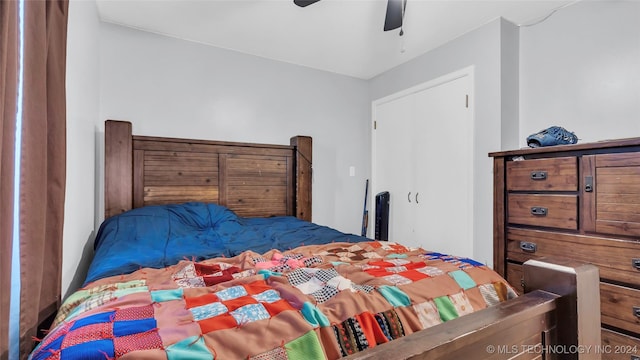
[[541, 324]]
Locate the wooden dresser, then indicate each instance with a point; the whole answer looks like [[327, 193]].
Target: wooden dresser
[[581, 202]]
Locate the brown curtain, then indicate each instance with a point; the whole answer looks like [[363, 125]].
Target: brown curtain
[[42, 164], [8, 86]]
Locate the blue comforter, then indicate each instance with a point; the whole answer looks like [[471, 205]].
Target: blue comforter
[[159, 236]]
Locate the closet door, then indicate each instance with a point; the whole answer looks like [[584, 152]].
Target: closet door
[[392, 170], [442, 150], [423, 144]]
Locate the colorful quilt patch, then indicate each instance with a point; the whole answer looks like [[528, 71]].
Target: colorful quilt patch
[[396, 256], [431, 271], [232, 293], [113, 333], [278, 353], [351, 253], [397, 279], [461, 303], [395, 248], [324, 294], [463, 279], [400, 271], [489, 294], [138, 341], [323, 284], [394, 296], [86, 350], [192, 348], [462, 263], [300, 276], [281, 263], [130, 327], [89, 299], [390, 324], [446, 309], [236, 306], [208, 311], [306, 346], [504, 291], [269, 296], [350, 336], [202, 275], [92, 332], [396, 269], [250, 313], [427, 314], [313, 315], [167, 295]]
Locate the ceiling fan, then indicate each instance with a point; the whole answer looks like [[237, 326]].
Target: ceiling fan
[[393, 19]]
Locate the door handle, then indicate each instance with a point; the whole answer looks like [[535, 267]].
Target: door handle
[[417, 198], [409, 196]]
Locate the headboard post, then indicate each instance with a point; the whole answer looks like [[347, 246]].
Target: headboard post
[[303, 161], [118, 160]]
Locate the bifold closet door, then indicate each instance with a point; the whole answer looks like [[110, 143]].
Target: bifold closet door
[[443, 168], [423, 157], [393, 168]]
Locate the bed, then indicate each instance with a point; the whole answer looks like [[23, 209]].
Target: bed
[[208, 251]]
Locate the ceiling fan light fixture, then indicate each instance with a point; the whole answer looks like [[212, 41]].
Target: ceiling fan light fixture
[[395, 14], [392, 20], [303, 3]]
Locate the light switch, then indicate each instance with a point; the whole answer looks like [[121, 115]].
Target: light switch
[[352, 171]]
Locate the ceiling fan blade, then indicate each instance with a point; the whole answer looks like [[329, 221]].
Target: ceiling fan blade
[[395, 13], [303, 3]]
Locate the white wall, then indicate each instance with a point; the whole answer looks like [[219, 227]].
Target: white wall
[[482, 49], [171, 87], [580, 69], [82, 116], [509, 84]]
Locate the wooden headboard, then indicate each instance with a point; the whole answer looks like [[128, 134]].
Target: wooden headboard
[[254, 180]]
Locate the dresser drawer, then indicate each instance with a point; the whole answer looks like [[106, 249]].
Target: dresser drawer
[[620, 306], [618, 346], [614, 258], [557, 211], [556, 174], [515, 277]]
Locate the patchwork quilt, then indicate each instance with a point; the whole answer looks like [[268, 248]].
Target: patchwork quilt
[[310, 302]]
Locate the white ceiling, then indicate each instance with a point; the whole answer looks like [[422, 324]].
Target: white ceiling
[[341, 36]]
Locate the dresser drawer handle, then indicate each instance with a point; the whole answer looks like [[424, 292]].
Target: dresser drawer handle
[[538, 175], [636, 311], [528, 246], [539, 211], [635, 262]]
